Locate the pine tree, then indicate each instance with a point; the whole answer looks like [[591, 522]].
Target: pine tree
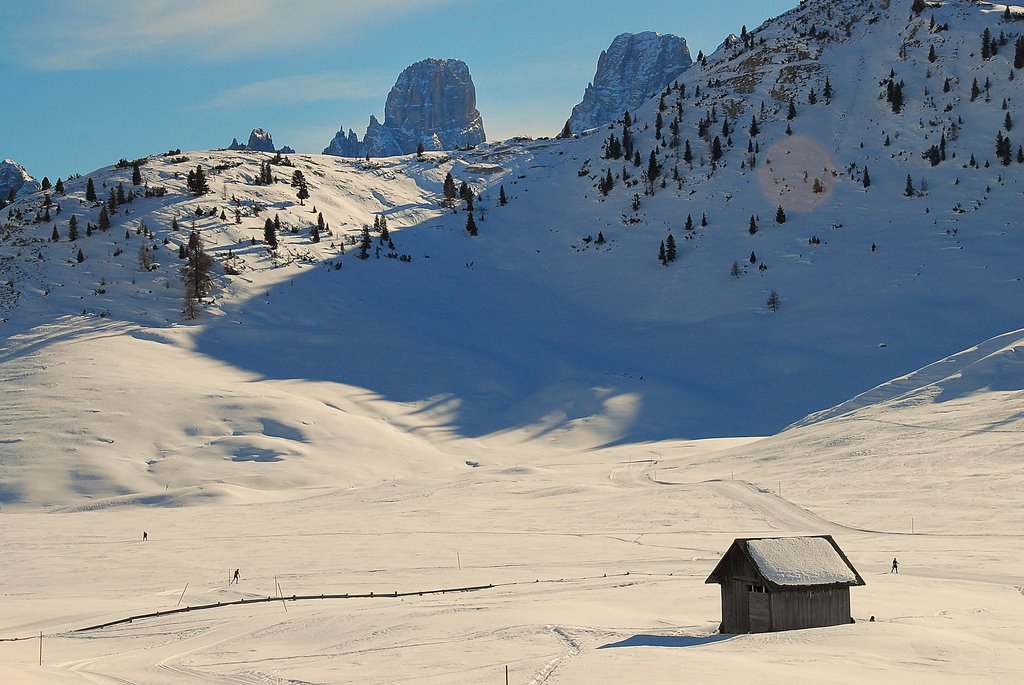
[[364, 243], [55, 236], [752, 229], [197, 275], [792, 110], [270, 234], [303, 194], [136, 174], [72, 228], [320, 222], [704, 220], [122, 198], [1018, 54], [773, 303], [80, 257], [90, 191], [754, 129], [753, 257], [931, 54], [716, 149], [661, 254], [627, 140], [780, 216], [670, 248], [735, 271], [1008, 123], [449, 189], [689, 222], [986, 44], [909, 190], [420, 150], [59, 187], [104, 219], [828, 92], [867, 178], [653, 169], [45, 183], [314, 234], [688, 153], [502, 198], [471, 224]]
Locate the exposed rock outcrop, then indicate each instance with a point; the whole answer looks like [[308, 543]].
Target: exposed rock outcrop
[[259, 141], [14, 180], [433, 103], [628, 72]]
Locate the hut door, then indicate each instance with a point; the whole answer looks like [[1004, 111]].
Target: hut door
[[760, 614]]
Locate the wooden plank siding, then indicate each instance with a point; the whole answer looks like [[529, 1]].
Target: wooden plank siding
[[815, 608]]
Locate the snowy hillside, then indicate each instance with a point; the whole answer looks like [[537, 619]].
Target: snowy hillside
[[535, 330]]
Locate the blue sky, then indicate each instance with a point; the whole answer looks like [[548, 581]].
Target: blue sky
[[86, 83]]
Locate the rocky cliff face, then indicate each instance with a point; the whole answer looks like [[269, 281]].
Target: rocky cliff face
[[433, 103], [14, 180], [259, 141], [633, 67]]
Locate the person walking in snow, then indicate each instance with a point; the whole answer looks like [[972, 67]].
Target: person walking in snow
[[145, 536], [235, 577], [895, 566]]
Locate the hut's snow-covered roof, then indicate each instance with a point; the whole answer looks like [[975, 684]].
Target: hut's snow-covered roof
[[793, 561], [800, 561]]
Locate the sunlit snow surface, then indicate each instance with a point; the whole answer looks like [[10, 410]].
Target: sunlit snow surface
[[799, 561]]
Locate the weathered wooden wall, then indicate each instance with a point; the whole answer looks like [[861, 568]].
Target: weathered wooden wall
[[827, 606]]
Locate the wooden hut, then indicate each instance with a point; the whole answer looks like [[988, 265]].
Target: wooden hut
[[772, 584]]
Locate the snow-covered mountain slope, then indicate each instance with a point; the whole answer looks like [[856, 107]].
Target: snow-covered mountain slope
[[506, 410], [556, 326]]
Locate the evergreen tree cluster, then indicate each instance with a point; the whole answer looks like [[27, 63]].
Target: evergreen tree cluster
[[266, 175], [894, 94], [196, 182], [667, 251]]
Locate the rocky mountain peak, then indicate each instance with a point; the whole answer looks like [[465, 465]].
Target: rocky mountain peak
[[14, 180], [259, 141], [432, 103], [633, 67]]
